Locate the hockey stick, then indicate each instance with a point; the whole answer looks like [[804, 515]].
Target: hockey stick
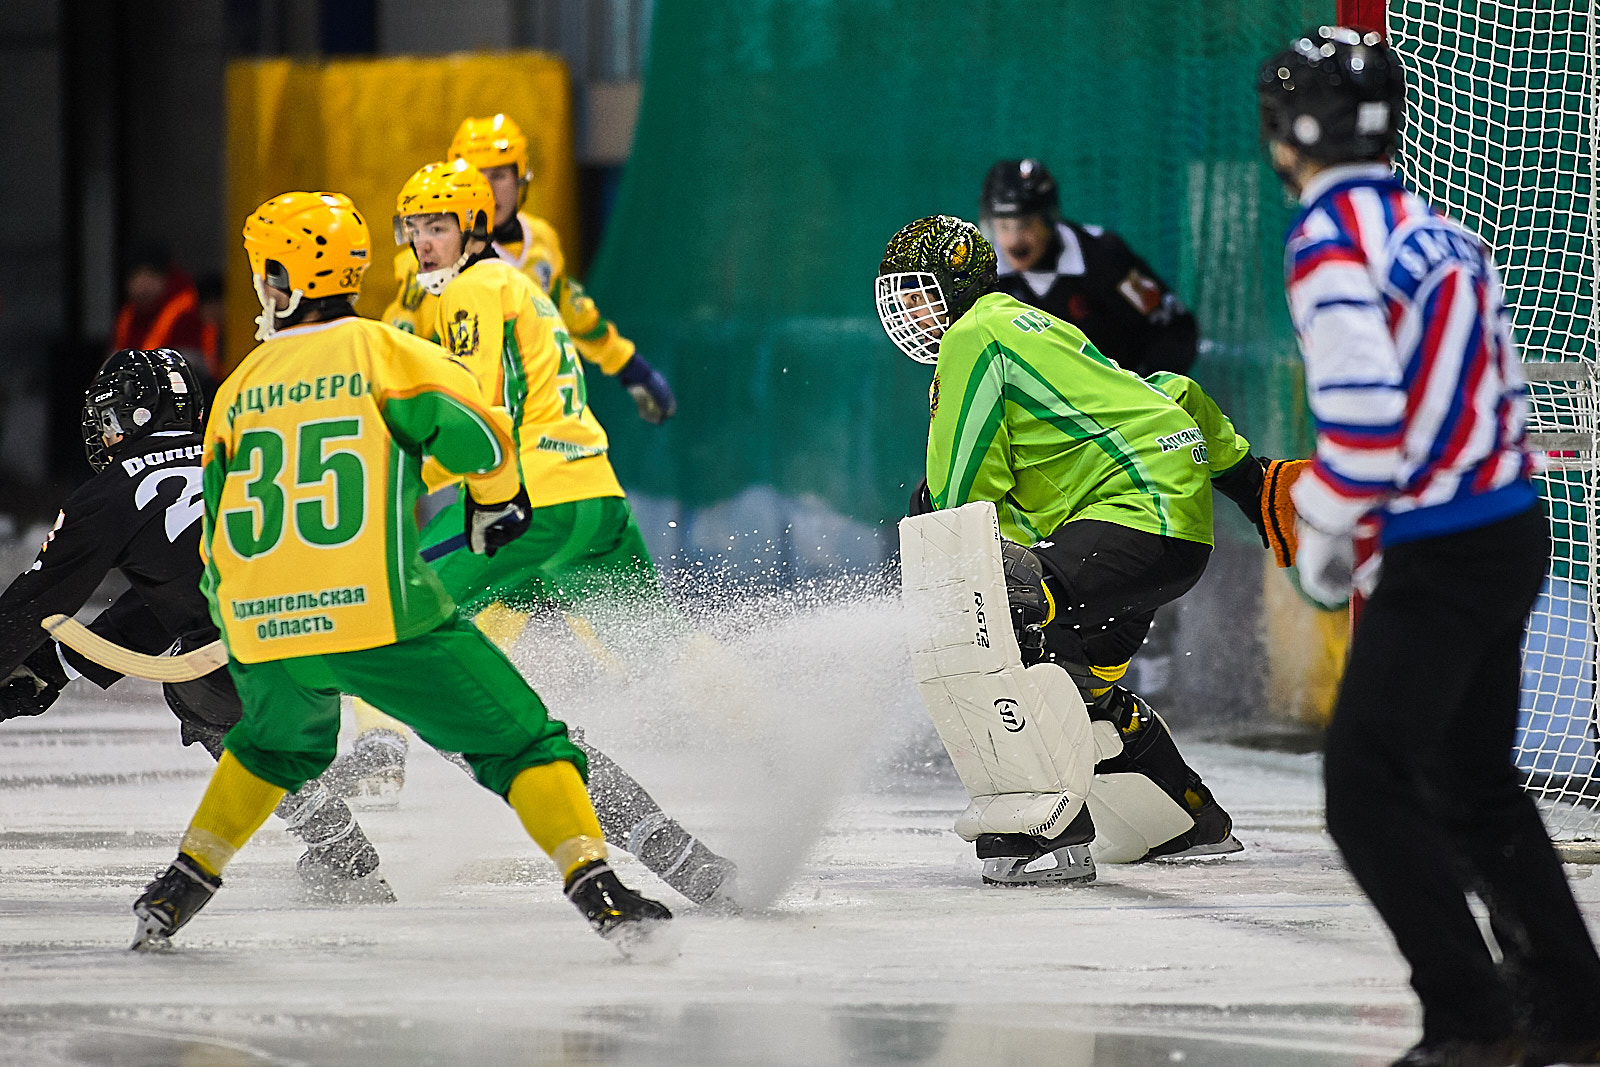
[[443, 548], [182, 668]]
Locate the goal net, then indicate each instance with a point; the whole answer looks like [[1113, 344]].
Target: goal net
[[1499, 133]]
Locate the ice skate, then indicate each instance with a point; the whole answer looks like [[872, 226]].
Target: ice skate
[[171, 901], [1211, 837], [374, 770], [683, 862], [1024, 860], [1461, 1053], [345, 872], [634, 923]]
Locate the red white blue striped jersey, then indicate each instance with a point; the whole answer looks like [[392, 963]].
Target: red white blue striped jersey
[[1411, 369]]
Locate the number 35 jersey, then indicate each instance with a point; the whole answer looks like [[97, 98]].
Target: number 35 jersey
[[140, 515], [313, 461], [503, 328]]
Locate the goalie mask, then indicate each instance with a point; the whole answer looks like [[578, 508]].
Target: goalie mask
[[1336, 95], [138, 393], [932, 273]]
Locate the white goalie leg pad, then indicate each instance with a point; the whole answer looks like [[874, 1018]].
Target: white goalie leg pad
[[1019, 737], [1131, 816]]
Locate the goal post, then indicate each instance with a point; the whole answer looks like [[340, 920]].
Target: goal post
[[1499, 134]]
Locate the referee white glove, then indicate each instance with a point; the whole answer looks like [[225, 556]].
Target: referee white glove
[[1326, 564]]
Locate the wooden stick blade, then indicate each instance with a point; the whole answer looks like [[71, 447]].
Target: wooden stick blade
[[184, 668]]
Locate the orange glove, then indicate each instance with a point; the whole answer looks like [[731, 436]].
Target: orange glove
[[1277, 509]]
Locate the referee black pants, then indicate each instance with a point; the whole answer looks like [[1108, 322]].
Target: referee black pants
[[1425, 803]]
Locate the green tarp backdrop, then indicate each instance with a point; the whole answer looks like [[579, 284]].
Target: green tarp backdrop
[[781, 143]]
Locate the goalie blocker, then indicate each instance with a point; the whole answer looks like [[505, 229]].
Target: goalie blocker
[[1020, 737]]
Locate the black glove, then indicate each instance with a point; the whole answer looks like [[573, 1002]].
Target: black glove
[[649, 390], [34, 686], [490, 527], [921, 500]]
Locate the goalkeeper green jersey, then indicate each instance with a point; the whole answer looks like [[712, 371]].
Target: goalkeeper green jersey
[[1026, 413]]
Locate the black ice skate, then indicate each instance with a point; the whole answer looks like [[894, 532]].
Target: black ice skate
[[170, 901], [617, 913], [680, 860], [374, 768], [1024, 860], [1211, 837]]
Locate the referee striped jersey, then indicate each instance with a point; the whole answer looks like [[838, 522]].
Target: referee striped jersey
[[1411, 369]]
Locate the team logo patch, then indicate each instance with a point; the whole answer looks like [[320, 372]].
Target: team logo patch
[[461, 334], [933, 397]]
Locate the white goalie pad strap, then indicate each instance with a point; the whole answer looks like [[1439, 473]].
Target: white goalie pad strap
[[1019, 738], [1131, 816]]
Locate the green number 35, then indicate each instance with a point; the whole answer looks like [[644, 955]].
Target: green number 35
[[327, 517]]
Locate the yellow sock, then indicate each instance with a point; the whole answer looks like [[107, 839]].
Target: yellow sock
[[555, 810], [370, 718], [501, 624], [234, 807]]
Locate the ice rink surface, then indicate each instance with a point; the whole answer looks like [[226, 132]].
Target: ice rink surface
[[797, 747]]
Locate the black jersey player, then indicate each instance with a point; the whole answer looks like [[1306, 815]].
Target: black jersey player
[[1083, 274], [140, 514]]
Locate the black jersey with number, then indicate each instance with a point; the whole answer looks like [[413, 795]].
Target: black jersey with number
[[141, 515], [1092, 279]]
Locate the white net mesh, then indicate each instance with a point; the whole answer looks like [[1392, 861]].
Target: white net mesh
[[1499, 133]]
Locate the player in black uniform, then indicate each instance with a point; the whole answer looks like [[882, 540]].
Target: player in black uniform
[[142, 422], [1082, 274]]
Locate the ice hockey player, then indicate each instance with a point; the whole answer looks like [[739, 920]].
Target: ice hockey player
[[1082, 274], [312, 463], [140, 514], [1102, 479], [497, 147], [1414, 381], [582, 545]]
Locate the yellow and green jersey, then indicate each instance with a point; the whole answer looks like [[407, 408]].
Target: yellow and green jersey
[[313, 457], [538, 255], [1026, 413], [505, 330]]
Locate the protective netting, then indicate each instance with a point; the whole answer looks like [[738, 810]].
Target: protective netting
[[1499, 133]]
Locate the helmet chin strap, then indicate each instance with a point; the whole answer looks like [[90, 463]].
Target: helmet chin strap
[[434, 281], [266, 322]]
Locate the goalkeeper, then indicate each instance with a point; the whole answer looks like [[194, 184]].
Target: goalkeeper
[[1105, 475]]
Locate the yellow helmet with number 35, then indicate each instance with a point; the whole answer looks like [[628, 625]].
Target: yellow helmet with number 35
[[310, 245], [495, 141]]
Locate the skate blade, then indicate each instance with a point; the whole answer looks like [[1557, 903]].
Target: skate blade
[[1068, 865], [148, 936], [1216, 850], [347, 892], [646, 940]]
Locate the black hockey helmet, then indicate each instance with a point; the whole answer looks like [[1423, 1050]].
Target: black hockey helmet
[[1335, 95], [1016, 187], [933, 271], [138, 393]]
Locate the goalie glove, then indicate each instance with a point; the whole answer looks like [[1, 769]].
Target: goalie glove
[[33, 686], [649, 390], [490, 527], [1260, 487]]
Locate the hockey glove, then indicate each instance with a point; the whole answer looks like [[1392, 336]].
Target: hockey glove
[[490, 527], [1277, 509], [1326, 563], [649, 390], [34, 686]]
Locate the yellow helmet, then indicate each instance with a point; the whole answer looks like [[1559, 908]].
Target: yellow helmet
[[492, 142], [310, 245], [455, 188]]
